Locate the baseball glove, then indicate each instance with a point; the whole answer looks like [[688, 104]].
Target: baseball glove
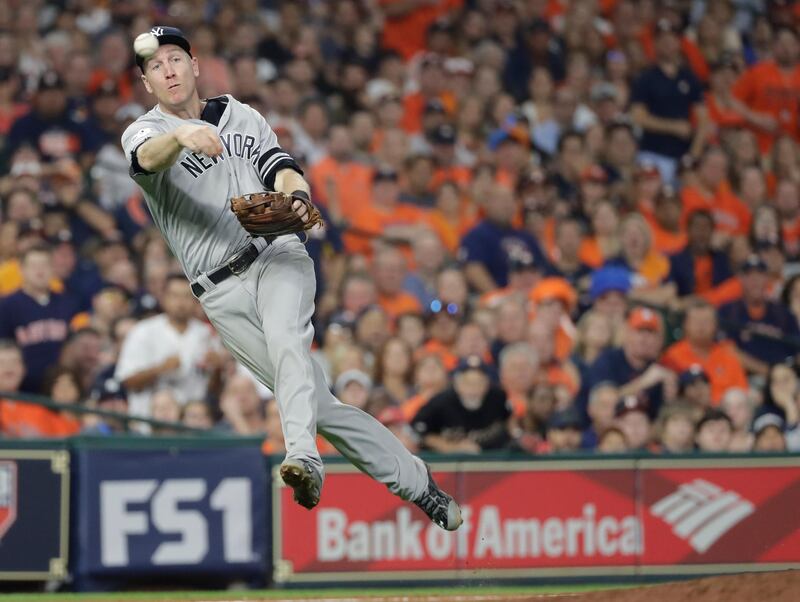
[[271, 213]]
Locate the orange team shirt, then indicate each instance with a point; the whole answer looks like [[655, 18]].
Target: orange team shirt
[[19, 420], [519, 404], [449, 359], [352, 181], [451, 232], [412, 405], [370, 222], [590, 253], [406, 33], [731, 215], [723, 116], [766, 88], [721, 364], [654, 268], [666, 242], [400, 303], [457, 173]]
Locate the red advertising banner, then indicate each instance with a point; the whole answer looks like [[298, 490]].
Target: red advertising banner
[[547, 518]]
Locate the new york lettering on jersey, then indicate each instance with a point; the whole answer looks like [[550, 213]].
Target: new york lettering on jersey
[[236, 144]]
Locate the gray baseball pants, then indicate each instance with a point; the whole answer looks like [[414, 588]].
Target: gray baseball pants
[[264, 318]]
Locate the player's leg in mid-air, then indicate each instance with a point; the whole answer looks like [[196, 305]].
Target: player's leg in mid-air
[[286, 302]]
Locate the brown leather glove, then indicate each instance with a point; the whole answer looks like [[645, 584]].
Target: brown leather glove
[[271, 213]]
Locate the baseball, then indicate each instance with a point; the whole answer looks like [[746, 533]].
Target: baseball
[[145, 44]]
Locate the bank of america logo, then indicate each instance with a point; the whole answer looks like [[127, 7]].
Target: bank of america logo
[[701, 512]]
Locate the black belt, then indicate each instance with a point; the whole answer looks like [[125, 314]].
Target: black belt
[[236, 265]]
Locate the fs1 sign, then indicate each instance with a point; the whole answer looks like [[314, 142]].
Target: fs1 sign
[[151, 513], [168, 508]]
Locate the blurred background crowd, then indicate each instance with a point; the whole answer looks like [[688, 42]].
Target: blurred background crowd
[[551, 225]]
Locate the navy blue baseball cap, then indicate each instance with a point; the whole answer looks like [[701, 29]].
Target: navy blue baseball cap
[[167, 35]]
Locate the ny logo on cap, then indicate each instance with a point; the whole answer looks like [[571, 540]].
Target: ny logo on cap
[[157, 31]]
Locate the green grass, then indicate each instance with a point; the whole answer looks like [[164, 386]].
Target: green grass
[[309, 594]]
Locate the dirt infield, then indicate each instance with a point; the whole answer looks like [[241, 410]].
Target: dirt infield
[[781, 586]]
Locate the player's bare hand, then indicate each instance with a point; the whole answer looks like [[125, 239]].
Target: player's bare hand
[[199, 139], [301, 209]]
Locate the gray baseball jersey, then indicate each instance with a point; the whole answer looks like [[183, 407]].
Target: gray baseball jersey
[[190, 200]]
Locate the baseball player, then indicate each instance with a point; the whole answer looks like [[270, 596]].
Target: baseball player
[[190, 156]]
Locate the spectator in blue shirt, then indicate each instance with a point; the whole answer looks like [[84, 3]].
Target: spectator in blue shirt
[[664, 101], [763, 330], [488, 248]]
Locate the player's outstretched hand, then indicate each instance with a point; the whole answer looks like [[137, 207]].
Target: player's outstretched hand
[[199, 139]]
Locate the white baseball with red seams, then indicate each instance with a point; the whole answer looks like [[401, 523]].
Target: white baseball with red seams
[[145, 45]]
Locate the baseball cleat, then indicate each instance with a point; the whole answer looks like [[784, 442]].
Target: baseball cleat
[[440, 507], [304, 479]]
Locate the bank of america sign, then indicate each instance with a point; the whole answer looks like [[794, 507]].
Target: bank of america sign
[[701, 512]]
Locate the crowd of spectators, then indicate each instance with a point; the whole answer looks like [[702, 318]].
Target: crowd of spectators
[[551, 225]]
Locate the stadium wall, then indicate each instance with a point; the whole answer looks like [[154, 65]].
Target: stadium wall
[[108, 513]]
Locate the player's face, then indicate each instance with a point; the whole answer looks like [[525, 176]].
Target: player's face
[[170, 75]]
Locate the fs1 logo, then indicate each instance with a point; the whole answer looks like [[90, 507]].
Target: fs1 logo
[[8, 496], [166, 504]]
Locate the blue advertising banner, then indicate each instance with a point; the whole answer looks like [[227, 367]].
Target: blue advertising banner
[[171, 512], [34, 514]]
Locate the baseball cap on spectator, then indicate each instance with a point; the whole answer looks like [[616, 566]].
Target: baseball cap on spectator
[[766, 420], [539, 26], [351, 376], [602, 91], [50, 80], [647, 169], [167, 35], [766, 242], [22, 168], [694, 373], [444, 134], [568, 418], [644, 318], [472, 362], [608, 279], [384, 173], [107, 388], [665, 25], [430, 59], [459, 65], [753, 262], [105, 87], [435, 105], [725, 61], [631, 403], [711, 415], [594, 173], [514, 129], [379, 90], [554, 288]]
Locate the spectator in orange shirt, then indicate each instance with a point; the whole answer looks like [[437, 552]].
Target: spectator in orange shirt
[[430, 378], [668, 238], [62, 385], [340, 183], [389, 271], [699, 346], [431, 87], [443, 321], [417, 185], [452, 216], [443, 142], [407, 23], [19, 419], [771, 89], [604, 241], [647, 187], [724, 109], [385, 217], [712, 192]]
